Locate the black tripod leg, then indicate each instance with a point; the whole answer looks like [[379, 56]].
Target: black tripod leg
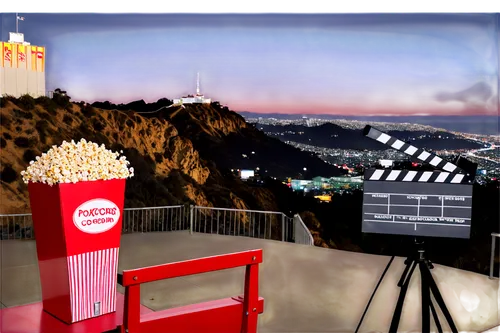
[[440, 301], [426, 299], [373, 294], [436, 318], [408, 263], [399, 305]]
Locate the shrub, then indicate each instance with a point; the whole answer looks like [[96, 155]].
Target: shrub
[[101, 139], [68, 120], [43, 114], [19, 129], [88, 111], [29, 155], [22, 114], [26, 102], [153, 144], [61, 99], [5, 120], [8, 174], [158, 157], [25, 142], [3, 143], [52, 110], [129, 123], [43, 128], [97, 125], [42, 125], [9, 98], [7, 136], [47, 104], [115, 136]]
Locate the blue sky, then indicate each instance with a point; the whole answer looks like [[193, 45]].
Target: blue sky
[[352, 64]]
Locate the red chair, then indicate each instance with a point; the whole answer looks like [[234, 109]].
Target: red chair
[[229, 315]]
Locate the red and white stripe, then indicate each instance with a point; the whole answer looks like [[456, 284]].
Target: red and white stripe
[[92, 278]]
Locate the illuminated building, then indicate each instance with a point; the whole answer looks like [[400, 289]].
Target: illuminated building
[[192, 99]]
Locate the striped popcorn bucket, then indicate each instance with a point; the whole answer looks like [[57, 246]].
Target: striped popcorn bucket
[[77, 231]]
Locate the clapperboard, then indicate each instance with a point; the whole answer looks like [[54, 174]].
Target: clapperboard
[[418, 203]]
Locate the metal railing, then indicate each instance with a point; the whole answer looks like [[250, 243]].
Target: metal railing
[[16, 226], [239, 222], [223, 221], [492, 259], [302, 233], [150, 219]]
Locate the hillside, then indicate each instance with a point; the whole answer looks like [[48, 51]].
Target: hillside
[[181, 155], [334, 136]]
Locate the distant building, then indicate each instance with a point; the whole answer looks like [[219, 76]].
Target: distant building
[[386, 163], [246, 174], [324, 198], [22, 67], [322, 183], [191, 99], [301, 185]]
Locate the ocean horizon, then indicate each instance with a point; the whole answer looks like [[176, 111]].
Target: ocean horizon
[[485, 125]]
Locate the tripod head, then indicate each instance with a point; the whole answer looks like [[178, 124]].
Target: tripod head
[[419, 256]]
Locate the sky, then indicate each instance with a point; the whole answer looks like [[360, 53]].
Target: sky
[[347, 64]]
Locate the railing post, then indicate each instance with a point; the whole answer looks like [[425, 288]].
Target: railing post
[[191, 216], [282, 227], [296, 230], [492, 259]]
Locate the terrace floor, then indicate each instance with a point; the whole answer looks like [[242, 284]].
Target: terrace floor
[[306, 289]]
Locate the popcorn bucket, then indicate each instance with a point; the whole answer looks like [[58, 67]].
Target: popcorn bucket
[[77, 231]]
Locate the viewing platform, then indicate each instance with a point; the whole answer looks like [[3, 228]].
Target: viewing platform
[[305, 288]]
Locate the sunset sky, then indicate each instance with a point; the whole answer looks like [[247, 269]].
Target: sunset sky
[[350, 64]]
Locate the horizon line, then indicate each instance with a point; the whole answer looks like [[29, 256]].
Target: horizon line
[[369, 115], [422, 114]]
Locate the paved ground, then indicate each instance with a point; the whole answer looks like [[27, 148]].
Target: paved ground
[[306, 289]]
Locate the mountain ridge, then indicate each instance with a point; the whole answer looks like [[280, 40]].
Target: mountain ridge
[[330, 135], [170, 151]]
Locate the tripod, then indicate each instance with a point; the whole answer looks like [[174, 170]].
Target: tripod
[[428, 285]]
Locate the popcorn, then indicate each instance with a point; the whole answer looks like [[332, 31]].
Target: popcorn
[[74, 162]]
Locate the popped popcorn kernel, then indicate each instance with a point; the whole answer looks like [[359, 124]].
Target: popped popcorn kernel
[[74, 162]]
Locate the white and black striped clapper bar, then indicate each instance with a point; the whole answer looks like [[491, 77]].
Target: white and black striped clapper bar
[[450, 173]]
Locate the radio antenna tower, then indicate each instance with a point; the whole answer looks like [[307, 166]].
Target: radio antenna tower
[[198, 84]]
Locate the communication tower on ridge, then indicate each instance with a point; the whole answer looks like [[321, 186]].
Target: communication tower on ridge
[[198, 98], [198, 85], [22, 66]]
